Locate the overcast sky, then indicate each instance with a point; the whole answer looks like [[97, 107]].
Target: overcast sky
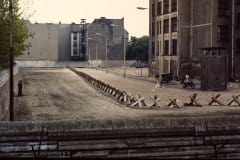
[[67, 11]]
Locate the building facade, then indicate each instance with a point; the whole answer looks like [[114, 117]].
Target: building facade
[[107, 35], [180, 28], [76, 42]]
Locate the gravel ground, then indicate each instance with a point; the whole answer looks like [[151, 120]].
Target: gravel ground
[[60, 94]]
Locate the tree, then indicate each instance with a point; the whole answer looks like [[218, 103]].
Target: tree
[[138, 49], [20, 35]]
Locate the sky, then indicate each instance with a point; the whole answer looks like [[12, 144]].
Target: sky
[[68, 11]]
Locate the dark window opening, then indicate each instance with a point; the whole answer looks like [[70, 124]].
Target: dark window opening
[[238, 21], [153, 10], [157, 54], [153, 49], [75, 44], [223, 8], [238, 46], [174, 6], [166, 26], [74, 52], [166, 48], [174, 47], [153, 28], [166, 7], [223, 33], [174, 24], [159, 9]]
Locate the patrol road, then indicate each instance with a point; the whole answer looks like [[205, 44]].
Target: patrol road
[[60, 94]]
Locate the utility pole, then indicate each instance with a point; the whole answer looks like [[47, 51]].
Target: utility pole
[[106, 63], [124, 56], [96, 55], [11, 103]]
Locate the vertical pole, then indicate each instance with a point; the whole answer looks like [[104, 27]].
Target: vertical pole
[[89, 56], [106, 42], [233, 38], [11, 104], [124, 56], [96, 56]]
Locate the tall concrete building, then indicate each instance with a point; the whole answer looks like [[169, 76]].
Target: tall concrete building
[[179, 28]]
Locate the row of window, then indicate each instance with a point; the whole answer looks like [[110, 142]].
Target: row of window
[[164, 7], [166, 48], [166, 24]]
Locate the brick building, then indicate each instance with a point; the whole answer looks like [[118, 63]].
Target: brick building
[[179, 28]]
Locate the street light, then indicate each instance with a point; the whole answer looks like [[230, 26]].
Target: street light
[[124, 55], [89, 55], [142, 8]]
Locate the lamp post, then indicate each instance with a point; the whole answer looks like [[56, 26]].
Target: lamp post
[[89, 55], [124, 55], [96, 55], [11, 59]]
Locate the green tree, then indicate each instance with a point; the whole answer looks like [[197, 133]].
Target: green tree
[[138, 49], [20, 35]]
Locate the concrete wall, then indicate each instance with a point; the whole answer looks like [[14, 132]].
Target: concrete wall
[[4, 91], [112, 63], [64, 44], [52, 64], [44, 42]]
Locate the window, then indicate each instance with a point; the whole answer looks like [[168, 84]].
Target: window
[[159, 8], [153, 49], [238, 21], [74, 36], [166, 48], [153, 28], [223, 33], [153, 10], [75, 44], [166, 7], [166, 26], [160, 27], [223, 8], [174, 6], [174, 24], [74, 52], [238, 46], [159, 31], [237, 2], [157, 54], [174, 47]]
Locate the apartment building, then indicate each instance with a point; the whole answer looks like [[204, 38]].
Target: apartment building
[[180, 28]]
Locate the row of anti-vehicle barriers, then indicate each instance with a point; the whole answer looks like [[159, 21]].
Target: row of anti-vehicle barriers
[[138, 101]]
